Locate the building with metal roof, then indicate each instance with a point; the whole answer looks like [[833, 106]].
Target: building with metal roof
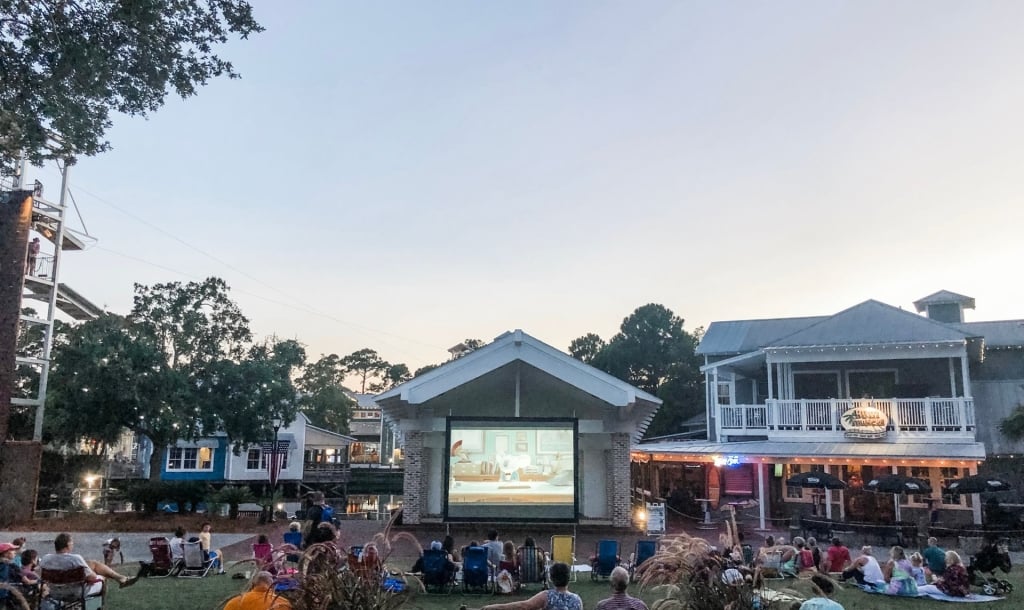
[[870, 390]]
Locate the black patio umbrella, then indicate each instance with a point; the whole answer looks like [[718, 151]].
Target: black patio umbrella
[[815, 480], [977, 484], [898, 484]]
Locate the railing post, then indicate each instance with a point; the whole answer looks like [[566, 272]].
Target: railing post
[[803, 414], [961, 404], [895, 416], [929, 417]]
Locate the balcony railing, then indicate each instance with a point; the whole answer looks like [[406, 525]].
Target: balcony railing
[[326, 473], [907, 416]]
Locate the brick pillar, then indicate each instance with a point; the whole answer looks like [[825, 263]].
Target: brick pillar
[[412, 501], [618, 479]]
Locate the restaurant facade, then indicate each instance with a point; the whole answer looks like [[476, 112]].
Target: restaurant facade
[[869, 391]]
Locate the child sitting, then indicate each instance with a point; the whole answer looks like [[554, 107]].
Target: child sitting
[[917, 568]]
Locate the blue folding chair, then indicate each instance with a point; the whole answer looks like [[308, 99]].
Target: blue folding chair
[[477, 574], [606, 558], [438, 571], [645, 549]]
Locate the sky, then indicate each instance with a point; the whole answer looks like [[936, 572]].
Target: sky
[[405, 175]]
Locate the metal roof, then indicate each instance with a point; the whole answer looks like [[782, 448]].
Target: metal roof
[[851, 449], [943, 297], [742, 336], [1000, 333], [872, 323]]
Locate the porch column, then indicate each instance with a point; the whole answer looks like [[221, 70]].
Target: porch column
[[896, 497], [966, 373], [828, 497], [952, 378], [771, 382], [975, 498], [715, 407], [762, 501]]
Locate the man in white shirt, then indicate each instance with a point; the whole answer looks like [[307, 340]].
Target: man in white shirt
[[494, 548], [95, 572]]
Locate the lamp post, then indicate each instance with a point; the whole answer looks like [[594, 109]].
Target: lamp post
[[275, 455]]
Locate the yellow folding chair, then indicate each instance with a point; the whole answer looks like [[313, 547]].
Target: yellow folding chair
[[563, 549]]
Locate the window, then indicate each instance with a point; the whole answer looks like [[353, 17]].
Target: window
[[871, 384], [724, 393], [190, 458], [257, 459], [948, 474], [793, 492]]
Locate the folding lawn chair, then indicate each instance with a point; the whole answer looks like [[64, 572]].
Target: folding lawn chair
[[263, 553], [162, 565], [644, 550], [71, 590], [366, 562], [293, 539], [531, 564], [563, 549], [196, 563], [605, 559], [477, 574], [438, 571]]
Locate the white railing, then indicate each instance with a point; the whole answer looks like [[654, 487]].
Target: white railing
[[905, 415]]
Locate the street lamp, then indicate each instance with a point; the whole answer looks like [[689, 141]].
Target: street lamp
[[274, 470]]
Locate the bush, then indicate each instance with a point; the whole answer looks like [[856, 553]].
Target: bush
[[146, 496], [186, 494], [233, 495]]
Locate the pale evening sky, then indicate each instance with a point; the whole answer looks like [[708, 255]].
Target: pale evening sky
[[423, 172]]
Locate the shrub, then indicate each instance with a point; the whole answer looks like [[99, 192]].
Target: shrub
[[146, 496], [233, 495]]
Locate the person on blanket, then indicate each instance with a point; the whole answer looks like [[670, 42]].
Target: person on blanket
[[954, 581], [899, 574], [824, 589], [865, 569]]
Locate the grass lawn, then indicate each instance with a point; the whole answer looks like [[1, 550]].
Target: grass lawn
[[210, 592]]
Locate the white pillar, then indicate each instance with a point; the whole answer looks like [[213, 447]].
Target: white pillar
[[762, 501], [952, 378], [966, 372], [771, 381], [896, 497], [975, 498]]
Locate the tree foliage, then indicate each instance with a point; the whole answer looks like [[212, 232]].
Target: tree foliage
[[323, 396], [1013, 426], [66, 66], [655, 353], [180, 367]]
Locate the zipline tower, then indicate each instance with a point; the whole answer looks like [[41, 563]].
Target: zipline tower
[[42, 283]]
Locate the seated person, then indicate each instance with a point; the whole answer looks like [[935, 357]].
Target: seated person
[[323, 532], [95, 572], [263, 553], [112, 550], [917, 569], [865, 570], [898, 574], [205, 543], [177, 545], [29, 566], [293, 537], [261, 596], [803, 561], [954, 581]]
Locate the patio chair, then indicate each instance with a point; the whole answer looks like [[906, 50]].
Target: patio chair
[[531, 565], [644, 550], [293, 539], [162, 565], [438, 571], [563, 549], [71, 590], [477, 572], [196, 563], [605, 559], [366, 562], [263, 553]]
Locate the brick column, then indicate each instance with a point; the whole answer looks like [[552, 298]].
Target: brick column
[[412, 501], [618, 480]]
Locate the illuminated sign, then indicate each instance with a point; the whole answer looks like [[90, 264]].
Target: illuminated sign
[[865, 422]]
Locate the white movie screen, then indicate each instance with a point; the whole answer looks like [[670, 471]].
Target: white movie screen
[[521, 470]]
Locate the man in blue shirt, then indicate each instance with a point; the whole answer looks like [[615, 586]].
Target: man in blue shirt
[[935, 557]]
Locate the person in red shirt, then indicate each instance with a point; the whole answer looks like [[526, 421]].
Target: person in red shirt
[[837, 558]]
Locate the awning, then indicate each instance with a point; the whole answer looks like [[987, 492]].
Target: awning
[[703, 450]]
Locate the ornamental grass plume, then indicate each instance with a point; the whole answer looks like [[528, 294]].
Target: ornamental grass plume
[[688, 574]]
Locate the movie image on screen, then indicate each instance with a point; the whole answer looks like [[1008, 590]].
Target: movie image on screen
[[520, 470]]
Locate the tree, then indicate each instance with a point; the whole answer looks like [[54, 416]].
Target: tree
[[586, 348], [366, 364], [110, 375], [394, 375], [1013, 426], [653, 352], [66, 66], [323, 397], [425, 369]]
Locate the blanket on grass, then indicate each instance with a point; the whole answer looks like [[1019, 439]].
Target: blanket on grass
[[933, 592]]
